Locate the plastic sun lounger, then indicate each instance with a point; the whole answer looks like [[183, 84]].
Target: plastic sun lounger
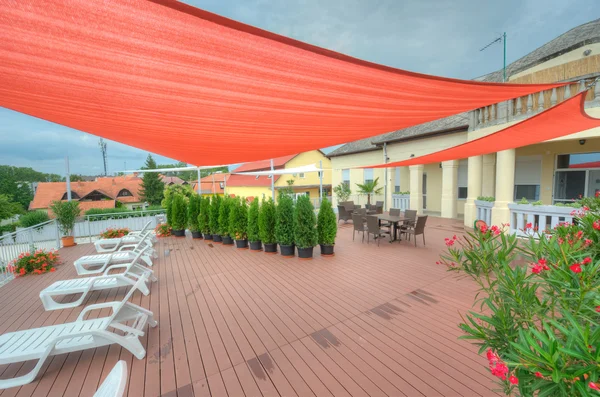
[[92, 264], [41, 343], [86, 285], [113, 244], [115, 382]]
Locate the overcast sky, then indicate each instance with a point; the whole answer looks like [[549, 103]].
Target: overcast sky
[[438, 37]]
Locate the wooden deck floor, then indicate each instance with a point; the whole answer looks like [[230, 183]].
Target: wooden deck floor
[[370, 321]]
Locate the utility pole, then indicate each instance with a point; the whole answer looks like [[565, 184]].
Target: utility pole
[[102, 146], [68, 178], [503, 40]]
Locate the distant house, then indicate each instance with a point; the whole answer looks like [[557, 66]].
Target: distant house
[[303, 183], [212, 184], [172, 180], [104, 192]]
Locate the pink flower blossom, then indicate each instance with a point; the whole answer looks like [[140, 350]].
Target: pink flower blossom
[[587, 260], [594, 386], [575, 268], [537, 269], [539, 375], [513, 379]]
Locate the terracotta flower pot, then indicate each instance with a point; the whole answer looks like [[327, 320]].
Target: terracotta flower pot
[[68, 241]]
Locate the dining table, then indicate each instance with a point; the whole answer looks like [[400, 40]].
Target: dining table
[[394, 220]]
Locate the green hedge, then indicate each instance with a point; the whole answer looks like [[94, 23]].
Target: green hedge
[[192, 213], [204, 215], [253, 211], [267, 221], [305, 222], [213, 216], [33, 218], [326, 224], [238, 219], [284, 226], [224, 216]]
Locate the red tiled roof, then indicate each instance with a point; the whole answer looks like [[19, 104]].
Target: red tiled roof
[[47, 192], [250, 180], [263, 165], [208, 186], [87, 205], [168, 180]]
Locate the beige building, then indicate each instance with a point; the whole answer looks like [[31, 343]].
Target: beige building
[[547, 173]]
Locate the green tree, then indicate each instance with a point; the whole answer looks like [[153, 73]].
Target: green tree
[[238, 218], [153, 188], [66, 213], [305, 231], [9, 208], [204, 215], [253, 213], [369, 188], [213, 218], [179, 212], [284, 226], [267, 221], [342, 192], [326, 224]]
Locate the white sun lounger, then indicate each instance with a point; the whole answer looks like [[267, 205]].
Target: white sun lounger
[[113, 244], [84, 286], [92, 264], [115, 382], [40, 343]]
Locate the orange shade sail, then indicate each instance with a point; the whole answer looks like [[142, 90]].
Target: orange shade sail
[[566, 118], [191, 85]]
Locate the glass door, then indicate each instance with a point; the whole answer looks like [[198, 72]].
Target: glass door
[[569, 185], [593, 186]]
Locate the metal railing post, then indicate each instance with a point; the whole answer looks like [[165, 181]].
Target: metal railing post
[[89, 228], [30, 240], [57, 234]]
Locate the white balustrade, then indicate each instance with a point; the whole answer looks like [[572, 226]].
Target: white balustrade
[[484, 211], [530, 220], [401, 201]]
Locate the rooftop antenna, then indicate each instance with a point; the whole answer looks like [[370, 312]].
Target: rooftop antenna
[[498, 40], [102, 145]]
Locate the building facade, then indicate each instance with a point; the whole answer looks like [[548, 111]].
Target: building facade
[[556, 171]]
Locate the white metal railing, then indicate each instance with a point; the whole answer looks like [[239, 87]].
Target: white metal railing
[[401, 201], [95, 224], [484, 211], [45, 236], [529, 220]]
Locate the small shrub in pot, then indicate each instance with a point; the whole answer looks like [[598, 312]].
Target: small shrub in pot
[[224, 209], [179, 214], [204, 218], [326, 228], [215, 210], [305, 230], [192, 215], [253, 229], [238, 222], [266, 225], [284, 226], [66, 213]]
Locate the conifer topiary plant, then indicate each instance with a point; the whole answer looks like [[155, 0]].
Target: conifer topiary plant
[[204, 217], [192, 215], [284, 226], [215, 209], [266, 225], [326, 228], [305, 227], [179, 214], [253, 231], [224, 209], [238, 222]]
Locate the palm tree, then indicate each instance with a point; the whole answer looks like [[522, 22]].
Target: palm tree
[[369, 188]]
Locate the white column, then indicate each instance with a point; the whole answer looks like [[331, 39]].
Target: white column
[[391, 182], [416, 188], [505, 186], [488, 181], [449, 188], [473, 189]]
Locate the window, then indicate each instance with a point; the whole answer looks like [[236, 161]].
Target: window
[[576, 175], [319, 174], [301, 175], [368, 175], [463, 179], [124, 193], [528, 174], [222, 185], [74, 196], [397, 180], [346, 177]]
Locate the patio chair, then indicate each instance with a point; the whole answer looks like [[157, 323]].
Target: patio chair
[[143, 231], [388, 226], [89, 267], [123, 254], [112, 244], [378, 207], [412, 217], [343, 215], [84, 286], [374, 229], [115, 382], [123, 327], [359, 226], [418, 229], [394, 212]]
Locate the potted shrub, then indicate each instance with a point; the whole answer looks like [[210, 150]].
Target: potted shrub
[[224, 220], [213, 218], [253, 229], [66, 212], [179, 214], [326, 228], [305, 227], [284, 226], [192, 215], [204, 218], [37, 262], [266, 226], [238, 222], [369, 188]]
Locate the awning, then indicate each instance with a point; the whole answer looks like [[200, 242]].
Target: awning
[[188, 168], [566, 118], [284, 171], [190, 85]]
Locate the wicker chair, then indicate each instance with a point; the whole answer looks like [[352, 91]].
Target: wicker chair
[[374, 229], [418, 229], [359, 226], [378, 207], [343, 214]]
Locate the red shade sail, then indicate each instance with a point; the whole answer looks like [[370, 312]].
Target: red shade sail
[[178, 81], [563, 119]]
